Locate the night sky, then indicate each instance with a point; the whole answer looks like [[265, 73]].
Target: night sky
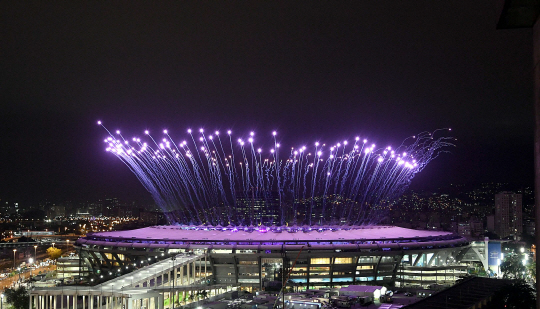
[[311, 70]]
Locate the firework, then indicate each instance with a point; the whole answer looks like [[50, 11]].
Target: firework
[[220, 179]]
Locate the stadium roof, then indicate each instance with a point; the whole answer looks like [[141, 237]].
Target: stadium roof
[[263, 234]]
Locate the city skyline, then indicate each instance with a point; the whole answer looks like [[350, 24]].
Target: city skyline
[[386, 71]]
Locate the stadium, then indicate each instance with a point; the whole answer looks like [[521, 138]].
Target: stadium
[[254, 258], [280, 213]]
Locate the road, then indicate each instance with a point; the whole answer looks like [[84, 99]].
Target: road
[[8, 264], [8, 282]]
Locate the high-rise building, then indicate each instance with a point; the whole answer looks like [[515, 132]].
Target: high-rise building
[[258, 208], [508, 214]]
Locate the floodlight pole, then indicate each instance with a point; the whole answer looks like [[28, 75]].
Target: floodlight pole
[[174, 279]]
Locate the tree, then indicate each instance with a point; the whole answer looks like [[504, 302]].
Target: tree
[[532, 270], [517, 295], [18, 298], [512, 267], [204, 294], [54, 253]]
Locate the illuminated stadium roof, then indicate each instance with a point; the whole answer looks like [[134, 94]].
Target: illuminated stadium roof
[[175, 234]]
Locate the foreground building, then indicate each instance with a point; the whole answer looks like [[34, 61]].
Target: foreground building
[[255, 258]]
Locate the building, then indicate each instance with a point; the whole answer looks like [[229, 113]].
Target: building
[[508, 215], [490, 223], [255, 258], [56, 211], [529, 226], [477, 227], [464, 229], [70, 267], [259, 208], [476, 292], [363, 290]]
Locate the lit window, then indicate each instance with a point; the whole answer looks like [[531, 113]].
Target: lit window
[[343, 260], [320, 261]]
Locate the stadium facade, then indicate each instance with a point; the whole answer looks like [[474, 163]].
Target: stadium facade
[[255, 258]]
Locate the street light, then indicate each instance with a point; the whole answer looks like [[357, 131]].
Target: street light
[[35, 250], [14, 250], [67, 245]]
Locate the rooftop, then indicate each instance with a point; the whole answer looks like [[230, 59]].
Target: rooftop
[[220, 234], [466, 294]]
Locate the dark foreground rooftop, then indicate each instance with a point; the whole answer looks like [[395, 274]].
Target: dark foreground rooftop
[[473, 293]]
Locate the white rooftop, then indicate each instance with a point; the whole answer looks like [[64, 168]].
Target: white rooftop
[[360, 288], [220, 234]]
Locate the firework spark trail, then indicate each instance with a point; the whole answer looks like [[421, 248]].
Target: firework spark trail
[[187, 185], [168, 174], [201, 183], [222, 162]]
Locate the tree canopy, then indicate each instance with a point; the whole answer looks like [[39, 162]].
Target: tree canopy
[[517, 295], [512, 267], [18, 298], [54, 253]]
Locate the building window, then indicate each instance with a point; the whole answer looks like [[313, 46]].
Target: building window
[[319, 268], [320, 261], [343, 260]]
